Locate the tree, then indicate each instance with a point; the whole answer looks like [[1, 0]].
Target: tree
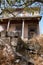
[[25, 2], [0, 3]]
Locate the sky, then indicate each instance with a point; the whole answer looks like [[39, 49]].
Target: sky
[[41, 21], [41, 25]]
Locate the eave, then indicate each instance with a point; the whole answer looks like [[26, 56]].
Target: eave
[[23, 18]]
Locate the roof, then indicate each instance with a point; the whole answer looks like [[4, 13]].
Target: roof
[[20, 13]]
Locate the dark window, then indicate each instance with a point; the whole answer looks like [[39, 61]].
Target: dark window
[[32, 32]]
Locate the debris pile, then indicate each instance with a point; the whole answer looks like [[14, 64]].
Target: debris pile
[[6, 53], [14, 51]]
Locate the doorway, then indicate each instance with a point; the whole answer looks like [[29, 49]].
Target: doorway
[[32, 31]]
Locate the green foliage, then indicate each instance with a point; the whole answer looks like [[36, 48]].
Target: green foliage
[[0, 1], [9, 2], [18, 1], [26, 2]]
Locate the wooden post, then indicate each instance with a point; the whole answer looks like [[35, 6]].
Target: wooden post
[[8, 25], [23, 29]]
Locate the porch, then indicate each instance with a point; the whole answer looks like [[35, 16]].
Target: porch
[[26, 28]]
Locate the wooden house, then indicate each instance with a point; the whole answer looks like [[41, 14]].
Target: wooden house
[[25, 21]]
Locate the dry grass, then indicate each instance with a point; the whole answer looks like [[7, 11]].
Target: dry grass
[[38, 60], [7, 56]]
